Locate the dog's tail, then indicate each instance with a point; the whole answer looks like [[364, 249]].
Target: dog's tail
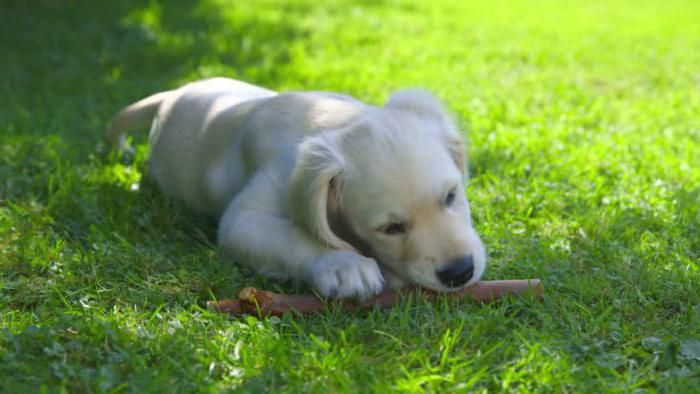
[[136, 115]]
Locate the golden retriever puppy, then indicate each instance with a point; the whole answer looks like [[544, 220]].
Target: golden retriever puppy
[[319, 187]]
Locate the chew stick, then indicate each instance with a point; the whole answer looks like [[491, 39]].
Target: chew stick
[[266, 303]]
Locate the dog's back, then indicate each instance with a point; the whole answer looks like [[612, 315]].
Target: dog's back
[[208, 137]]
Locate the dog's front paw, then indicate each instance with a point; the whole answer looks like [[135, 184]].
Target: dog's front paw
[[345, 274]]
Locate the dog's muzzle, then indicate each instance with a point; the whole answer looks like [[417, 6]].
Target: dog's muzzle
[[458, 272]]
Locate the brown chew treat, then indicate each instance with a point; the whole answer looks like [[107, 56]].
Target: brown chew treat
[[266, 303]]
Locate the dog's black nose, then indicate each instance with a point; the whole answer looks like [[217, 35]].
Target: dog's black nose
[[458, 272]]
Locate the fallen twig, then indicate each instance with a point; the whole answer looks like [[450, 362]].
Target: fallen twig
[[266, 303]]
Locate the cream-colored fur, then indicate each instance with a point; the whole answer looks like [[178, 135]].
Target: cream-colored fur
[[308, 184]]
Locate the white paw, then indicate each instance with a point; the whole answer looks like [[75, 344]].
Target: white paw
[[345, 274]]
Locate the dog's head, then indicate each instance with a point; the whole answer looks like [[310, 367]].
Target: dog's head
[[391, 186]]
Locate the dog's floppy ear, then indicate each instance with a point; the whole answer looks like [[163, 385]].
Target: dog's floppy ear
[[314, 187], [423, 104]]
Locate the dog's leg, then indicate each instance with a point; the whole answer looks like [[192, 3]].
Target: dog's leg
[[255, 230]]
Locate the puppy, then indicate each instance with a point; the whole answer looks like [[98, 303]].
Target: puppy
[[315, 186]]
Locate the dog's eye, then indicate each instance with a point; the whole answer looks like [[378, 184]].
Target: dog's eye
[[394, 228], [450, 197]]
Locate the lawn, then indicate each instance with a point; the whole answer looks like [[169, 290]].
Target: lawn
[[583, 121]]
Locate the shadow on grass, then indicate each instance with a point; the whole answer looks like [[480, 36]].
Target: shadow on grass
[[69, 67]]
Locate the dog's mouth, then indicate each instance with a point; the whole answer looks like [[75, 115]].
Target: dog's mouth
[[432, 281], [422, 274], [421, 279], [437, 286]]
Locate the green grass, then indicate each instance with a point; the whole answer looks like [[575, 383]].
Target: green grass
[[584, 126]]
